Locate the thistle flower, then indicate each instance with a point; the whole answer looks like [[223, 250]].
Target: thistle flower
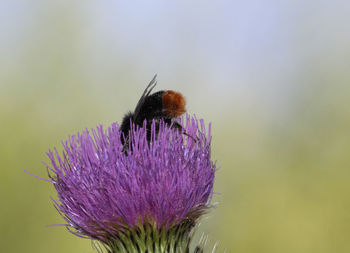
[[146, 198]]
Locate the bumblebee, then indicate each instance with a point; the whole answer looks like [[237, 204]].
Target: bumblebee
[[163, 105]]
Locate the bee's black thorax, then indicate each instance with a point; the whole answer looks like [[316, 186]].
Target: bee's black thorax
[[151, 108]]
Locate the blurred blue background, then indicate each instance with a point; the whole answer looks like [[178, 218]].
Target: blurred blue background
[[272, 77]]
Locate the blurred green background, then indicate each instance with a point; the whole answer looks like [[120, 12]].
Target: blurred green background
[[272, 76]]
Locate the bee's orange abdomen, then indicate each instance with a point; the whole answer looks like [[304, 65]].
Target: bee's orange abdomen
[[173, 103]]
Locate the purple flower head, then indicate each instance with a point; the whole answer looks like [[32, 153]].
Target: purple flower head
[[103, 189]]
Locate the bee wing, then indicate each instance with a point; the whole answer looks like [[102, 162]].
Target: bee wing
[[146, 92]]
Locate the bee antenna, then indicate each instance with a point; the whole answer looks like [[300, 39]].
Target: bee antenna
[[145, 93]]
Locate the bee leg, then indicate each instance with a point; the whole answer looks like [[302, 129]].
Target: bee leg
[[178, 126]]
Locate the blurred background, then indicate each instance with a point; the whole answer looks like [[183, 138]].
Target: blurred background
[[273, 77]]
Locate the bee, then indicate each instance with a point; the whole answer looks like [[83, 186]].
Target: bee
[[164, 105]]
